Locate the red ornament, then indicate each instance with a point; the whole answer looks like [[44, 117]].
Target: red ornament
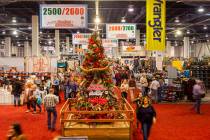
[[91, 41]]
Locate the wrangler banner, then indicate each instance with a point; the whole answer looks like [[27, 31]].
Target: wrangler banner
[[156, 25]]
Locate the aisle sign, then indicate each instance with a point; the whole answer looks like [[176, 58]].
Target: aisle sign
[[131, 48], [110, 43], [81, 38], [156, 22], [121, 31], [63, 16]]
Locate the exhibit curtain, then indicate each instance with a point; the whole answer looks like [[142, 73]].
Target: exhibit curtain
[[155, 25]]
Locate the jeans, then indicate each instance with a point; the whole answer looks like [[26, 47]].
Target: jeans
[[155, 95], [197, 105], [146, 130], [17, 100], [38, 105], [50, 111]]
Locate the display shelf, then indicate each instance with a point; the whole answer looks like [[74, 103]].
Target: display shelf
[[95, 128]]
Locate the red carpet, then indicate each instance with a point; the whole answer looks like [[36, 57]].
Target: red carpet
[[175, 122]]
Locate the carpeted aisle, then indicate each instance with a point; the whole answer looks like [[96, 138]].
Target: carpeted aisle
[[175, 122]]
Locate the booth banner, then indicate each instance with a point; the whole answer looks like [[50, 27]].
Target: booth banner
[[159, 63], [41, 64], [110, 43], [121, 31], [108, 51], [155, 25], [178, 65], [131, 48], [63, 16], [81, 38]]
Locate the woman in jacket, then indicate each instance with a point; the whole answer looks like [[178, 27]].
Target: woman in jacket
[[146, 114]]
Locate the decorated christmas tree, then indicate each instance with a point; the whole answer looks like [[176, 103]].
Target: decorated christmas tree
[[95, 67], [96, 90]]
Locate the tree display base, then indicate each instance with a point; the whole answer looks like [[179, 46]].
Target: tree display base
[[95, 129]]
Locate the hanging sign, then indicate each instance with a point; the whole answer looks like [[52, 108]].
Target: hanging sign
[[110, 43], [121, 31], [156, 22], [81, 38], [131, 48], [63, 16]]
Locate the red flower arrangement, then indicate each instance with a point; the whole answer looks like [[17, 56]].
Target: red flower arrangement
[[100, 101]]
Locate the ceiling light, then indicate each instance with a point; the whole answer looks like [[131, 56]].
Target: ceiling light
[[78, 32], [207, 40], [14, 32], [3, 32], [192, 42], [123, 20], [206, 35], [201, 9], [14, 20], [188, 31], [97, 20], [178, 32], [26, 38], [29, 28], [177, 20], [130, 8], [19, 45], [50, 42], [40, 32], [205, 27], [2, 42], [16, 36]]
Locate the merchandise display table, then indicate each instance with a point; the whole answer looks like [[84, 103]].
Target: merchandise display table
[[95, 129], [6, 98]]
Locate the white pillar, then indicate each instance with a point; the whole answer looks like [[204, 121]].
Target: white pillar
[[67, 45], [14, 50], [137, 37], [172, 51], [186, 47], [168, 49], [35, 36], [27, 49], [57, 43], [8, 46]]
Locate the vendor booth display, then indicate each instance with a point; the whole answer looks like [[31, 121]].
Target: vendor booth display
[[97, 108]]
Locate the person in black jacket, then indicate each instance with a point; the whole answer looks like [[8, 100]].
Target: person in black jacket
[[16, 91], [146, 114]]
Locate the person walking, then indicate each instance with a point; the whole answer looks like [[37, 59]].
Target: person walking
[[154, 89], [197, 94], [15, 133], [16, 91], [144, 84], [124, 89], [50, 102], [146, 114]]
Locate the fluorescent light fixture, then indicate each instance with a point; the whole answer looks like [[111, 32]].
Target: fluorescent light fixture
[[205, 27], [49, 42], [123, 20], [201, 9], [178, 32], [130, 8], [177, 20], [97, 20], [14, 32]]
